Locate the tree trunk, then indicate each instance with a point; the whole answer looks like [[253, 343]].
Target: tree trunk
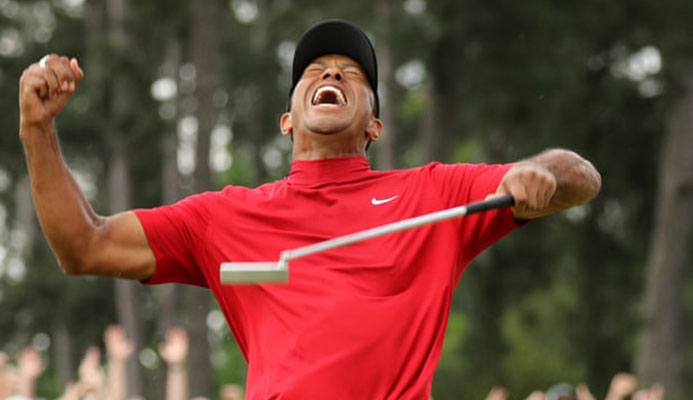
[[126, 292], [386, 146], [435, 130], [204, 50], [171, 192], [444, 70], [120, 186], [167, 296], [661, 352], [62, 347]]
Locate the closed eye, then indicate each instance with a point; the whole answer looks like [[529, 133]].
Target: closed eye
[[353, 72], [314, 69]]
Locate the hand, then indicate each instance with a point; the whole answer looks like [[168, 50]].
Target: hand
[[175, 348], [118, 346], [497, 393], [45, 88], [232, 392], [8, 378], [622, 385], [91, 377], [656, 392], [582, 392], [30, 363], [536, 395], [531, 185], [72, 392]]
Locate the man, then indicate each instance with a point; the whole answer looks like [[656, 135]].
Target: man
[[365, 321]]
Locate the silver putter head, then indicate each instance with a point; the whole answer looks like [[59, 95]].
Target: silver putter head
[[254, 272]]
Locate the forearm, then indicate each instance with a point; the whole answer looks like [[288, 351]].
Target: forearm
[[116, 379], [176, 382], [26, 387], [577, 181], [66, 217]]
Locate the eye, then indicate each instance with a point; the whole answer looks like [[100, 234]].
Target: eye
[[313, 69], [352, 71]]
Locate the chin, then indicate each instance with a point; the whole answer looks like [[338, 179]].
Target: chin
[[327, 125]]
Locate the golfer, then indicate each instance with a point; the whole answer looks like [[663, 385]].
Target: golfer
[[364, 321]]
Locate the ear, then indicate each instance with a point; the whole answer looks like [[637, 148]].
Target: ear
[[374, 129], [285, 124]]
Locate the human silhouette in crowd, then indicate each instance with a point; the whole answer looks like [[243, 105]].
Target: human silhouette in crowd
[[497, 393], [232, 392], [20, 383], [174, 352], [119, 349], [8, 377]]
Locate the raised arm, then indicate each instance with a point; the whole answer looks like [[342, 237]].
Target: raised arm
[[551, 181], [119, 349], [83, 242], [30, 366], [174, 351]]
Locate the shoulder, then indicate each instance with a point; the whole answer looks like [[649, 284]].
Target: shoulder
[[235, 193]]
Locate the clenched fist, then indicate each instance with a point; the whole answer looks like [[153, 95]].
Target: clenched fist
[[44, 89], [531, 185]]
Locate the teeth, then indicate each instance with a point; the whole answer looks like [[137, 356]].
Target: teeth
[[340, 96]]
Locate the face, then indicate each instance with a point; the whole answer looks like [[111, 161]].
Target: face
[[332, 97]]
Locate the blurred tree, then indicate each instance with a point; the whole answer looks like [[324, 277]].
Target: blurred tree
[[204, 53], [113, 128], [661, 352], [387, 153]]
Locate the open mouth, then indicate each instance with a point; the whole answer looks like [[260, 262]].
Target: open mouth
[[328, 95]]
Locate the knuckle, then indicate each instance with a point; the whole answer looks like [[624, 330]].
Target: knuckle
[[520, 196]]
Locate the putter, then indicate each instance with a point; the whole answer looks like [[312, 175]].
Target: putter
[[278, 271]]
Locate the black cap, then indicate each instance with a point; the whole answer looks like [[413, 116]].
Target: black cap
[[336, 36]]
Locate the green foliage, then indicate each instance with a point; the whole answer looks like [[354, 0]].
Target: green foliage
[[538, 333]]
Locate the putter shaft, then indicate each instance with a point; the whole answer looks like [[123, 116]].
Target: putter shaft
[[249, 272]]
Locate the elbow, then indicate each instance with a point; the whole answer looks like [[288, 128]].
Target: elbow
[[72, 266], [592, 181], [76, 261], [78, 256], [597, 183], [586, 176]]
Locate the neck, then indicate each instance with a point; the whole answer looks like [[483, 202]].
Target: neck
[[318, 147]]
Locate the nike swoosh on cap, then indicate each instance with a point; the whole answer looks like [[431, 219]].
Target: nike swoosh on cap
[[377, 202]]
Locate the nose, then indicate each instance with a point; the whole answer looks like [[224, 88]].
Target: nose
[[332, 72]]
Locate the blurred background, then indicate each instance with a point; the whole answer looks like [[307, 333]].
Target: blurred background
[[184, 96]]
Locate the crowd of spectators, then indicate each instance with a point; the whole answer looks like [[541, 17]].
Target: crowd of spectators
[[623, 386], [96, 382]]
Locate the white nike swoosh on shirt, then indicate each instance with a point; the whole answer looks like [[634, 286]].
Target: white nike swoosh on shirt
[[377, 202]]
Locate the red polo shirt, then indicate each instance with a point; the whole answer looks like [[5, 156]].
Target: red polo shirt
[[365, 321]]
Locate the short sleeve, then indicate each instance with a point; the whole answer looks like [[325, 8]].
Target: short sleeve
[[460, 184], [175, 234]]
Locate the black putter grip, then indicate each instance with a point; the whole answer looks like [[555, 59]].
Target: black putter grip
[[491, 204]]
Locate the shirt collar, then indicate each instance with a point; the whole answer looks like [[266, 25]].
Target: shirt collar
[[326, 171]]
